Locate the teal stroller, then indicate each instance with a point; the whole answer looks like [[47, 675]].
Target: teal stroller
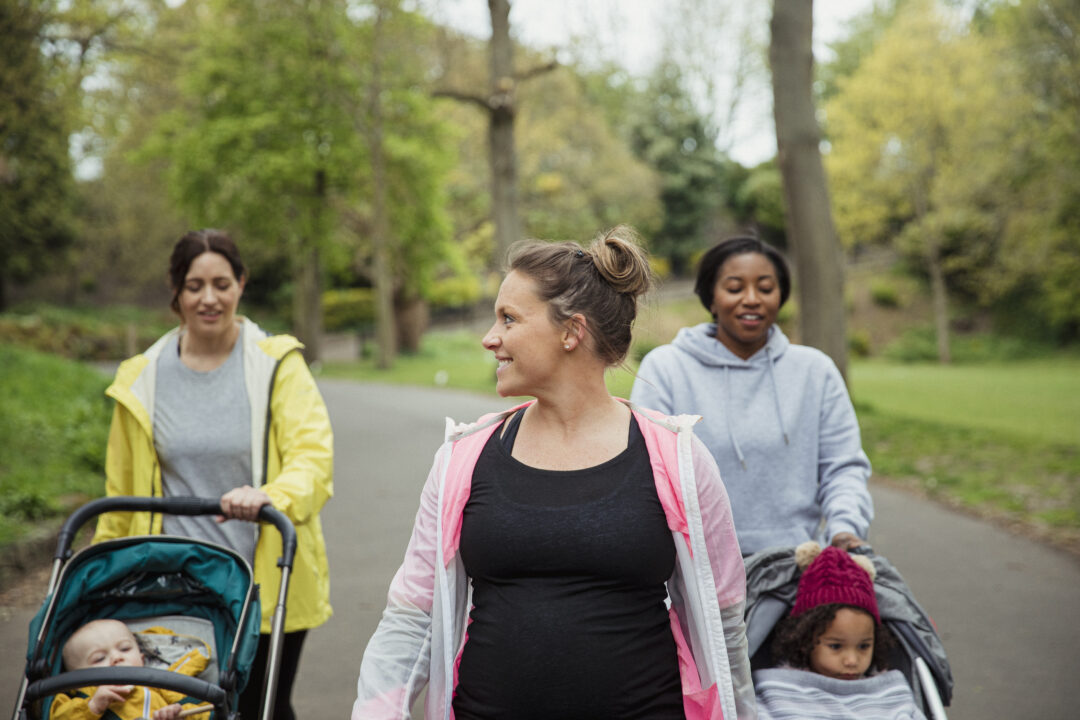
[[196, 589]]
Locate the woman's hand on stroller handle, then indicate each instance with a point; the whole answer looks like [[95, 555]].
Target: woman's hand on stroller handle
[[242, 503], [846, 540]]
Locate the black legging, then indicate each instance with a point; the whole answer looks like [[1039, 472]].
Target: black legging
[[252, 697]]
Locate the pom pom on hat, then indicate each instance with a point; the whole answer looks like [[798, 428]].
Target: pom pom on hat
[[833, 576]]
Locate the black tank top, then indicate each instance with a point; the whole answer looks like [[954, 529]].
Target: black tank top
[[568, 571]]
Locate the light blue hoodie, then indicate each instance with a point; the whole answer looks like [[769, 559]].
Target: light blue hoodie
[[781, 427]]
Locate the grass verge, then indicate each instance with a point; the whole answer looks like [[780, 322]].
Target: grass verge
[[53, 428]]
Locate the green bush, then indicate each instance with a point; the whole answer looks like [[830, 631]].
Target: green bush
[[884, 294], [348, 309], [920, 345], [455, 292], [789, 313], [915, 345], [85, 333], [859, 343], [661, 266]]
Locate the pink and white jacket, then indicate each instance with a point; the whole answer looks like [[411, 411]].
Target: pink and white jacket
[[422, 631]]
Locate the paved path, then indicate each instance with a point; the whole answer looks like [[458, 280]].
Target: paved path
[[1006, 607]]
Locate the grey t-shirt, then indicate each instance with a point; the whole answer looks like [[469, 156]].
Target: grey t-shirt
[[202, 435]]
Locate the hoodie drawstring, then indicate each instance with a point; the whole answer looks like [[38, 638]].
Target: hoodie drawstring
[[776, 395], [727, 417]]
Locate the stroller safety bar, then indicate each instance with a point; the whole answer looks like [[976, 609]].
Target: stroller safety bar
[[127, 675], [34, 686], [171, 506], [933, 700]]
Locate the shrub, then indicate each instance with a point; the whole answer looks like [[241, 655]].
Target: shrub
[[661, 266], [789, 313], [859, 343], [915, 345], [884, 294], [83, 334], [920, 345], [455, 292], [348, 309]]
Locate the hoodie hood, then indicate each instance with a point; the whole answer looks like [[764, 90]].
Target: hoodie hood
[[701, 343]]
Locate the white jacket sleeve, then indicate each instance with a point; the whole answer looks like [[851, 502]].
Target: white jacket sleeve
[[729, 574], [396, 661]]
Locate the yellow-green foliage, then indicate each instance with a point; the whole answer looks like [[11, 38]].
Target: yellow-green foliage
[[348, 309]]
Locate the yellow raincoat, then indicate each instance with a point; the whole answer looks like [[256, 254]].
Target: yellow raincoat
[[291, 460]]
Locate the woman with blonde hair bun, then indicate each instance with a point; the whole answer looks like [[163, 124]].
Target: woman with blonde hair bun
[[573, 556]]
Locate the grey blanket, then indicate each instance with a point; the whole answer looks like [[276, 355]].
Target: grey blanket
[[785, 694]]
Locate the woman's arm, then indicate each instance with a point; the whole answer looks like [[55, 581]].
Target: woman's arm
[[397, 659], [843, 468], [305, 443], [729, 574]]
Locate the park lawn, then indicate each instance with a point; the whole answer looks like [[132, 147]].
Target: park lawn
[[1038, 399], [1002, 440]]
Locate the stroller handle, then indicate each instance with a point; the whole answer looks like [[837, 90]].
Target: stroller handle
[[128, 675], [170, 506]]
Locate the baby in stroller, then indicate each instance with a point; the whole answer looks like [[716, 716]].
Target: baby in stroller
[[829, 658], [106, 643]]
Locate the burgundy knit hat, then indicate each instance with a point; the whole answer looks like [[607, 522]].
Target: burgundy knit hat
[[835, 577]]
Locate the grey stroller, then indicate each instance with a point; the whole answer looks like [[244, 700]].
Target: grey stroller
[[772, 578]]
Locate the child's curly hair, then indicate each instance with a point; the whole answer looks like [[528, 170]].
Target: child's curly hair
[[795, 637]]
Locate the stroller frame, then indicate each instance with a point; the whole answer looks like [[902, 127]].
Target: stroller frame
[[772, 578], [36, 684]]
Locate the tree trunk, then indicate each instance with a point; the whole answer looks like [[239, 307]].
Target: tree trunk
[[385, 331], [501, 153], [307, 299], [939, 298], [411, 316], [818, 258]]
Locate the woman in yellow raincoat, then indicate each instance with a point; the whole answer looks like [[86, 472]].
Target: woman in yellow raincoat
[[219, 408]]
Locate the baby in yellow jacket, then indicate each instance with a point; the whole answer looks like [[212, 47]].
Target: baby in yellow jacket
[[106, 643]]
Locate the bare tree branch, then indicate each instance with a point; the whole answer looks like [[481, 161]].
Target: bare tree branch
[[538, 70], [463, 97]]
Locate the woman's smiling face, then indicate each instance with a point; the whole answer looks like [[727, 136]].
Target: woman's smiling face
[[210, 295], [528, 346], [746, 300]]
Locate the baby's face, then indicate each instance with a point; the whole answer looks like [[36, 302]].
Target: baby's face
[[103, 643]]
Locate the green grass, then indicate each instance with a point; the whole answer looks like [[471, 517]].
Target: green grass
[[1000, 439], [1027, 480], [1034, 399], [454, 359], [53, 429]]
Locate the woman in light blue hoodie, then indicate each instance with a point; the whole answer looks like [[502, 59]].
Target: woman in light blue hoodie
[[776, 416]]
